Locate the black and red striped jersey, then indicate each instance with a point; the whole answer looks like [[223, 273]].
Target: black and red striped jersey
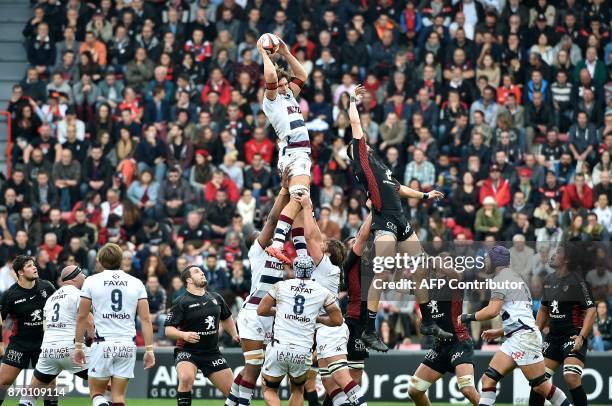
[[356, 308]]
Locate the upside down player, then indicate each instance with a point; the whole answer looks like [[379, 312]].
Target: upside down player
[[331, 342], [523, 344], [255, 331], [283, 112], [453, 355], [24, 302], [389, 223], [568, 307], [194, 322]]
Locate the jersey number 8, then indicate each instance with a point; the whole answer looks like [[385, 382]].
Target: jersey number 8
[[298, 307], [117, 300]]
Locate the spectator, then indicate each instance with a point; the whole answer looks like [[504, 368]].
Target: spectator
[[602, 340], [139, 70], [151, 153], [577, 192], [497, 187], [51, 247], [583, 139], [67, 173], [95, 47], [41, 50], [175, 195], [216, 276], [156, 296], [257, 177], [421, 169]]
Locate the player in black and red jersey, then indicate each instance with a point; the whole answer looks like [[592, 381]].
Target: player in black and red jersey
[[389, 223], [24, 301], [454, 355], [568, 308], [194, 322], [356, 314]]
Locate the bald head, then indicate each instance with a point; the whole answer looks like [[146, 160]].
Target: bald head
[[72, 275]]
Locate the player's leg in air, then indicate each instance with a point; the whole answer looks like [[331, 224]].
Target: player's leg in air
[[283, 112]]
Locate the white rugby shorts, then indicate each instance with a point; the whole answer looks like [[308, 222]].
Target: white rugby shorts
[[299, 163], [112, 358], [524, 347], [254, 327], [57, 357], [287, 359], [331, 341]]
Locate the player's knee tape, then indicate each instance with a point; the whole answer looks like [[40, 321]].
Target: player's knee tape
[[549, 372], [359, 365], [324, 372], [272, 384], [298, 190], [572, 369], [44, 378], [538, 381], [465, 381], [419, 384], [493, 374], [337, 366], [255, 357]]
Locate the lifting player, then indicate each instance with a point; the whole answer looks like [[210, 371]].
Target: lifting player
[[568, 307], [389, 224], [194, 322]]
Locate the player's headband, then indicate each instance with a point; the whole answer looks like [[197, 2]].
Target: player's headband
[[75, 272]]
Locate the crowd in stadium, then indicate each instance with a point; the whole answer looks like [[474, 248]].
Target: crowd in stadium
[[140, 122]]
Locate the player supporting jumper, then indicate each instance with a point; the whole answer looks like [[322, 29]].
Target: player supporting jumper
[[283, 112], [296, 305], [331, 341], [194, 322], [389, 223], [568, 307], [57, 348], [356, 311], [116, 297], [24, 302], [523, 345], [454, 355]]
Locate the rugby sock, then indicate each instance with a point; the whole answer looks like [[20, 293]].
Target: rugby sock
[[28, 401], [371, 325], [246, 392], [352, 393], [299, 241], [282, 229], [425, 314], [183, 398], [48, 402], [579, 397], [99, 400], [232, 398], [557, 397], [338, 397], [487, 396], [311, 397], [535, 399]]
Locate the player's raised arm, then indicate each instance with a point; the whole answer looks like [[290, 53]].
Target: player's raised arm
[[147, 332], [408, 192], [267, 232], [312, 233], [269, 72], [362, 236], [354, 114], [487, 313], [300, 75]]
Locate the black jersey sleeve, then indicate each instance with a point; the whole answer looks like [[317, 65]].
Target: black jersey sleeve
[[225, 310], [586, 297], [175, 316], [545, 301], [48, 287], [5, 304]]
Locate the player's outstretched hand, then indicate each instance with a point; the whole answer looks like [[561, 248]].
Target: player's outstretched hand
[[578, 343], [79, 357], [236, 338], [359, 92], [436, 195], [148, 359], [283, 49], [260, 47], [304, 200], [285, 175], [492, 334], [191, 337]]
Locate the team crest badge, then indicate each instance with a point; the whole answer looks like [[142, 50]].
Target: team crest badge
[[565, 288], [43, 293]]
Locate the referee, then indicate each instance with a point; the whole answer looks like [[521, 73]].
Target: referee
[[24, 302], [194, 322]]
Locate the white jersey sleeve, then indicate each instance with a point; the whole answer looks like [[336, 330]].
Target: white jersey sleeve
[[114, 296], [327, 275], [61, 312], [517, 309]]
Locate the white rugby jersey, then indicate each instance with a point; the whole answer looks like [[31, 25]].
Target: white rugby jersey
[[114, 296], [266, 271], [61, 312], [327, 275], [286, 117], [298, 303], [517, 310]]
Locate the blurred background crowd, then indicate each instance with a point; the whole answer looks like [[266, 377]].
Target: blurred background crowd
[[139, 122]]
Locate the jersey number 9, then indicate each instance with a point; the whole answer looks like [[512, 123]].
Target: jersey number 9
[[298, 307], [117, 300]]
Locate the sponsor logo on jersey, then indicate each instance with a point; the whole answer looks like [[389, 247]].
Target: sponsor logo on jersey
[[20, 300], [116, 316], [181, 356], [301, 289], [36, 315], [115, 283], [302, 319], [210, 322], [55, 352], [517, 355], [218, 362], [193, 305], [119, 351], [456, 356], [43, 293], [431, 355], [391, 226], [293, 358], [13, 356], [294, 109], [554, 310]]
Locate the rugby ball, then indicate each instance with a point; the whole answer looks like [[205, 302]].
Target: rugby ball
[[270, 43]]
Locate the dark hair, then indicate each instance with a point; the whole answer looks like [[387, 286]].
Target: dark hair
[[20, 262], [186, 273], [337, 252]]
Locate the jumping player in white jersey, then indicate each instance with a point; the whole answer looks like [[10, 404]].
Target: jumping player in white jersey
[[298, 305], [331, 341], [523, 345], [256, 331], [57, 348], [283, 112], [116, 297]]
